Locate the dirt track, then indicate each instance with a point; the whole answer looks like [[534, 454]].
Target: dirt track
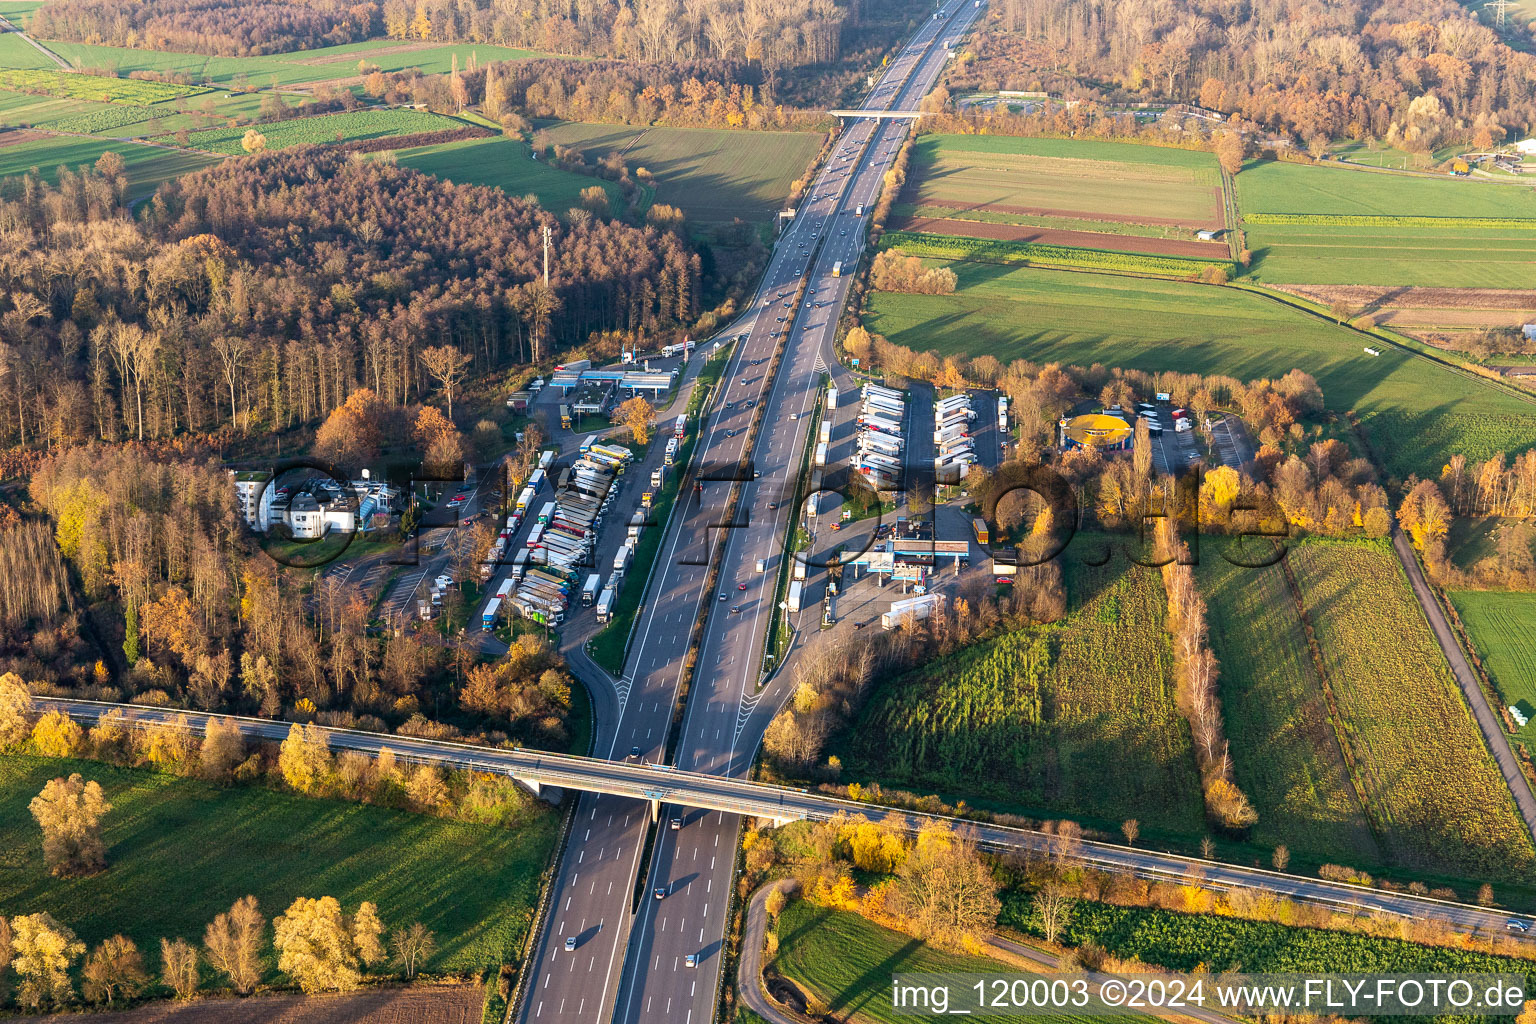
[[1053, 236], [435, 1004]]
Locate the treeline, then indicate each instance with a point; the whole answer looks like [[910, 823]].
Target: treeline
[[218, 27], [775, 33], [262, 292], [1195, 673], [1281, 412], [220, 754], [895, 271], [1419, 74], [702, 93], [319, 947]]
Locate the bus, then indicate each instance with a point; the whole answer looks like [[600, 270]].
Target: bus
[[837, 269], [682, 425]]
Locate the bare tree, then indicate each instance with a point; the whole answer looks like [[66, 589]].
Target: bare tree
[[178, 967], [1131, 829], [411, 947], [448, 366], [1054, 906], [233, 943], [116, 967]]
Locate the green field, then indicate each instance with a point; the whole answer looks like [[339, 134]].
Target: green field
[[19, 12], [1112, 181], [1436, 800], [180, 852], [1076, 717], [1449, 256], [711, 174], [1270, 186], [344, 127], [1416, 413], [505, 164], [1502, 627], [147, 166], [1284, 750], [847, 961], [16, 52], [297, 68]]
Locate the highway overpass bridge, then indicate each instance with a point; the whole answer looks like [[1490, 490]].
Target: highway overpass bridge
[[658, 784], [880, 115]]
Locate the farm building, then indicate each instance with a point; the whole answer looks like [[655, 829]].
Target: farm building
[[1099, 430], [1530, 331], [1526, 146]]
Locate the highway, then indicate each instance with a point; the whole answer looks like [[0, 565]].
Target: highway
[[629, 963], [706, 792]]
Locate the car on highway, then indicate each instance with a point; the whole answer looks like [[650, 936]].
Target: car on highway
[[1514, 924], [661, 892], [735, 608], [772, 505], [741, 586], [570, 943], [725, 597], [634, 753], [691, 960], [677, 823]]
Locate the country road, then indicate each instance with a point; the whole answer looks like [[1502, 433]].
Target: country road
[[1487, 722], [7, 26]]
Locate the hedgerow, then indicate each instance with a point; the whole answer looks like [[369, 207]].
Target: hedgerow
[[954, 247]]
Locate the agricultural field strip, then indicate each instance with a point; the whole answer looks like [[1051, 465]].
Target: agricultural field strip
[[1077, 716], [1273, 187], [712, 174], [1435, 796], [1089, 179], [1284, 744], [984, 250], [93, 87], [297, 69], [356, 124]]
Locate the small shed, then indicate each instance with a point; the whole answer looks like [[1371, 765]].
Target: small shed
[[1530, 331], [1526, 146]]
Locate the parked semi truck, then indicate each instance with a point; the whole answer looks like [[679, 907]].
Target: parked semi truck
[[913, 609]]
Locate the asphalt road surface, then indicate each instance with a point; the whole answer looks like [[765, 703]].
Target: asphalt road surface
[[630, 963]]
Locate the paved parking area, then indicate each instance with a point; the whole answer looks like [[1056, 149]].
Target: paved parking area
[[1231, 442]]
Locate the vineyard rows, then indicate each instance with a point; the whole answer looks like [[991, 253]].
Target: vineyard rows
[[358, 124]]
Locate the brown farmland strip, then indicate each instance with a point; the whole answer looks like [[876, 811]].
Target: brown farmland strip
[[1054, 236], [1040, 211]]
